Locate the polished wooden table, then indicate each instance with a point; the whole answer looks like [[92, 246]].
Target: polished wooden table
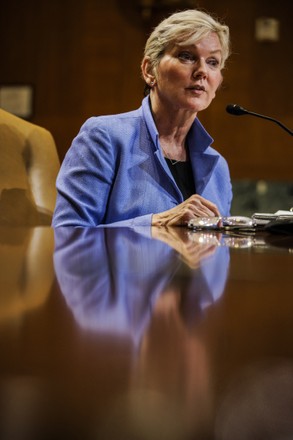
[[145, 334]]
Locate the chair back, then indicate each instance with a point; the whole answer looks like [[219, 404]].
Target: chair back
[[28, 169]]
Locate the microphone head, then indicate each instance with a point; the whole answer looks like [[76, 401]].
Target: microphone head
[[235, 109]]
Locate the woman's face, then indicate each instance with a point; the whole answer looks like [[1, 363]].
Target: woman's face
[[188, 77]]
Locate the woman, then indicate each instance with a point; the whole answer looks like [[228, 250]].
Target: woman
[[154, 166]]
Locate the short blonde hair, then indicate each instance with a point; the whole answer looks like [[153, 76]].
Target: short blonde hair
[[184, 28]]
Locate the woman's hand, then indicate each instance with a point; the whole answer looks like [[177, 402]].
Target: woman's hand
[[193, 247], [194, 206]]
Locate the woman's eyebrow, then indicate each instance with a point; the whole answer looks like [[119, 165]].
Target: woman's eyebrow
[[194, 47], [216, 51]]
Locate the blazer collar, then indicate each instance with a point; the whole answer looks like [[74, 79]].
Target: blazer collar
[[203, 158], [198, 140]]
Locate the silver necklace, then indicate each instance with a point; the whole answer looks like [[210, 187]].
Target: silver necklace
[[173, 161]]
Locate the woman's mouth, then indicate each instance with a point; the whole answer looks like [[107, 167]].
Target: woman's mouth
[[197, 88], [196, 91]]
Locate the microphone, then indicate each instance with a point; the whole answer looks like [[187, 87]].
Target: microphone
[[235, 109]]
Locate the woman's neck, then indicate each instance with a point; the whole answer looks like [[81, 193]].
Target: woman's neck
[[173, 128]]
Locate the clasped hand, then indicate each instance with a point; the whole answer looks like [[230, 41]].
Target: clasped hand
[[194, 206]]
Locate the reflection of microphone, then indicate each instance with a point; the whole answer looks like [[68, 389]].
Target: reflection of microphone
[[235, 109]]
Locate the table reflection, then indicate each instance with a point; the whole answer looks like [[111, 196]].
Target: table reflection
[[152, 290], [148, 334], [27, 272], [113, 278]]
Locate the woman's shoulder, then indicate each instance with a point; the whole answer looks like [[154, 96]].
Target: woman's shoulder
[[109, 130], [112, 121]]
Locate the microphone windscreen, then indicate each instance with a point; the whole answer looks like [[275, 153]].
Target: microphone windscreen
[[235, 109]]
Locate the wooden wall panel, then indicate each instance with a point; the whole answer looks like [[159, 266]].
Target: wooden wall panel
[[258, 77], [83, 59]]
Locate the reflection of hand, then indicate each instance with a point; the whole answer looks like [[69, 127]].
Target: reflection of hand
[[194, 206], [192, 250]]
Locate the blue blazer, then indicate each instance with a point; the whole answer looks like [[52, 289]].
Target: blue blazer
[[115, 172]]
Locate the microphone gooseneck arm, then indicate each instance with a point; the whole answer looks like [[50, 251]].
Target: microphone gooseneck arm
[[235, 109]]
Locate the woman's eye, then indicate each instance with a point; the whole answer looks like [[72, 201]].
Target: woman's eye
[[214, 62], [186, 56]]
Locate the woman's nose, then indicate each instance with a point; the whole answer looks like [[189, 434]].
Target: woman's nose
[[200, 68]]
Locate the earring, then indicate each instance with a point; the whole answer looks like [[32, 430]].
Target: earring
[[152, 83]]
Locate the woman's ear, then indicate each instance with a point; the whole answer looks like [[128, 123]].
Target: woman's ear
[[147, 71]]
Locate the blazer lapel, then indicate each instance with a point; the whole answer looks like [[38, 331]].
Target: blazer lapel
[[203, 165]]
